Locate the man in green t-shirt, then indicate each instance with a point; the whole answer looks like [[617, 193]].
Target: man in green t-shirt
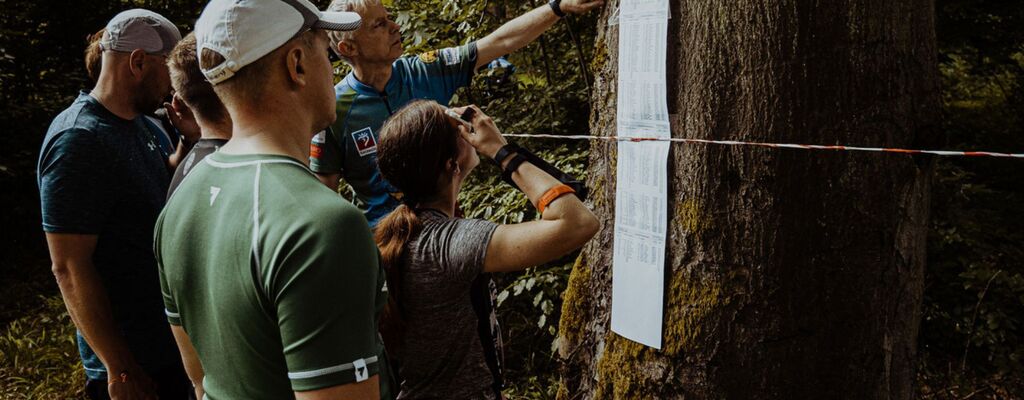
[[271, 282]]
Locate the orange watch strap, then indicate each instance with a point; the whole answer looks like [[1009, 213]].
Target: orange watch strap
[[551, 195]]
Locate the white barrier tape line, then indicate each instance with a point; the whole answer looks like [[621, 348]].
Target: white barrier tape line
[[948, 153]]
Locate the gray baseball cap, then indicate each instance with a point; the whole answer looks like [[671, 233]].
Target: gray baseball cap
[[140, 29], [243, 31]]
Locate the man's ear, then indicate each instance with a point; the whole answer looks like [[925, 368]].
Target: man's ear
[[136, 61], [347, 49], [298, 60]]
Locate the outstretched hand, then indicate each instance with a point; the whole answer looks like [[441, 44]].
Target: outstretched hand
[[580, 6], [485, 136]]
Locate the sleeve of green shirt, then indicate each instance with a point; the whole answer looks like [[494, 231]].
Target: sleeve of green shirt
[[170, 306], [322, 279]]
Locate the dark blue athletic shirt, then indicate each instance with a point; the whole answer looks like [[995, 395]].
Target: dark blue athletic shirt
[[102, 175]]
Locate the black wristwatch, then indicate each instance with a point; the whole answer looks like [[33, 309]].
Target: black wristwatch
[[504, 151], [556, 6]]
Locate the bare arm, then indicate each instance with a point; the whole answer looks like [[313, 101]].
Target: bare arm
[[365, 390], [193, 367], [565, 225], [522, 30], [89, 307]]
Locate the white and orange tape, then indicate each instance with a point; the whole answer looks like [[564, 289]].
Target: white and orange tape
[[947, 153]]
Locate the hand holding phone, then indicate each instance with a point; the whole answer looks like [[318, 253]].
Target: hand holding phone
[[478, 129]]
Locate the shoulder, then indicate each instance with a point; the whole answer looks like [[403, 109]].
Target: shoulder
[[73, 139], [293, 189], [454, 230]]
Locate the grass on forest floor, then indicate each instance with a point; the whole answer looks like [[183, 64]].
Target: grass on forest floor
[[38, 355]]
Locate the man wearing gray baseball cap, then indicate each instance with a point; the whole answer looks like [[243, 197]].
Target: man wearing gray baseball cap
[[270, 280], [102, 182]]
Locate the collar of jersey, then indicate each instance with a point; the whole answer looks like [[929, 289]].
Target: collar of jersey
[[224, 160], [367, 90]]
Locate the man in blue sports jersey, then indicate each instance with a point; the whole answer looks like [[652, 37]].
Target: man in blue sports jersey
[[381, 82]]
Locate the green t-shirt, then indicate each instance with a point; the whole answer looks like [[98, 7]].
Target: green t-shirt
[[274, 277]]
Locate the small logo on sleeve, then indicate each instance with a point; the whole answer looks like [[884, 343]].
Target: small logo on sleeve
[[428, 57], [451, 56], [365, 142], [362, 373], [315, 147]]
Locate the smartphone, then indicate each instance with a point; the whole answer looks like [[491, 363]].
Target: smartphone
[[464, 118]]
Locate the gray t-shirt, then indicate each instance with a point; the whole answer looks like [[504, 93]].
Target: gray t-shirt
[[441, 352]]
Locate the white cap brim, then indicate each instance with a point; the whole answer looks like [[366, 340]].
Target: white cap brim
[[338, 21]]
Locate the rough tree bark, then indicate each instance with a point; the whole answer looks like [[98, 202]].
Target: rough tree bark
[[790, 274]]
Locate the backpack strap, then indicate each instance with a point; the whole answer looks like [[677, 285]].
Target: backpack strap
[[482, 296]]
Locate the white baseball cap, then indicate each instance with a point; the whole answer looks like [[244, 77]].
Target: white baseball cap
[[140, 29], [243, 31]]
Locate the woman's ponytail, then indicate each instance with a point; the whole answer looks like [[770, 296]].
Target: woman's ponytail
[[392, 234]]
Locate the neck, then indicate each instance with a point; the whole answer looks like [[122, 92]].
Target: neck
[[445, 202], [115, 98], [257, 130], [373, 75], [214, 130]]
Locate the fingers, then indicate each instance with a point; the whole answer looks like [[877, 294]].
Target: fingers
[[465, 133], [172, 113]]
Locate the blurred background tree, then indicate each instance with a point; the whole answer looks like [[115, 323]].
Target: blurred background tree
[[974, 300]]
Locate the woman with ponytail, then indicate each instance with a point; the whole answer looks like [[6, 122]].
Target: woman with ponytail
[[440, 322]]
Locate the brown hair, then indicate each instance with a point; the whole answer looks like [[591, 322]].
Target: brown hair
[[190, 84], [94, 55], [416, 144]]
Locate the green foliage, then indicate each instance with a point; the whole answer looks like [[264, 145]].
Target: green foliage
[[972, 331], [38, 355]]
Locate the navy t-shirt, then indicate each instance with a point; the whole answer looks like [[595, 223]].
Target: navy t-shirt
[[102, 175]]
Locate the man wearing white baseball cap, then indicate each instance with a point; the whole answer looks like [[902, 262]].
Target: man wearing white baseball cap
[[102, 182], [270, 280]]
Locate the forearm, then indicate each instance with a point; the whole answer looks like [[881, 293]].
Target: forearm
[[535, 182], [189, 358], [515, 34], [87, 303]]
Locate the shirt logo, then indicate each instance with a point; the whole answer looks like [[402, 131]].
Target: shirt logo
[[428, 57], [365, 142], [214, 191], [451, 56], [362, 373]]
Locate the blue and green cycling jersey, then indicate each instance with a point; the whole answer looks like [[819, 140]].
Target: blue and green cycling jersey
[[349, 146]]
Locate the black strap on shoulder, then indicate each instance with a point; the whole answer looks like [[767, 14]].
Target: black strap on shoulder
[[482, 297]]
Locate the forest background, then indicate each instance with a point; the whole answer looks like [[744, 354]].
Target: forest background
[[972, 333]]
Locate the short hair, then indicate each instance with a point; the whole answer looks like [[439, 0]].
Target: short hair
[[94, 56], [191, 85], [351, 6], [248, 83]]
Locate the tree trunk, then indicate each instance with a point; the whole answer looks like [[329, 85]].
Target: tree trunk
[[790, 274]]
